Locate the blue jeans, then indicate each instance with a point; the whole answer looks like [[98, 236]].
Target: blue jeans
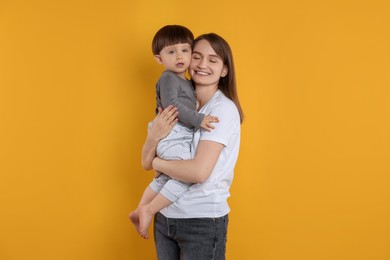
[[190, 239]]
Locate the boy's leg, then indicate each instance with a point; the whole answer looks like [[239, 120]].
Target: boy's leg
[[147, 211], [150, 192], [169, 193], [147, 197], [174, 189]]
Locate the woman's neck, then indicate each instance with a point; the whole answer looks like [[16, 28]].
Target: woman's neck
[[203, 95]]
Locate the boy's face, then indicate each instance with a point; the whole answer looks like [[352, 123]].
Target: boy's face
[[175, 58]]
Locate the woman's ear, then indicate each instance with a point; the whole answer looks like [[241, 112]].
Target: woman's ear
[[224, 71], [158, 59]]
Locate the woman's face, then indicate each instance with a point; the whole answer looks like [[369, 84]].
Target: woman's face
[[206, 67]]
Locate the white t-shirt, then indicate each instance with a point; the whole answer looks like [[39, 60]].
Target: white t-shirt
[[209, 199]]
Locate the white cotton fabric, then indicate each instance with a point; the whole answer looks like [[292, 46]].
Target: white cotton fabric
[[209, 199]]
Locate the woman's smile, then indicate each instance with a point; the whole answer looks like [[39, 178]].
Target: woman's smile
[[201, 73]]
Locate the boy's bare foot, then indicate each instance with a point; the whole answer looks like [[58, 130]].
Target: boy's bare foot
[[145, 219], [134, 218]]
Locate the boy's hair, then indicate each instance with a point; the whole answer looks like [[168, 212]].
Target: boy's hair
[[170, 35]]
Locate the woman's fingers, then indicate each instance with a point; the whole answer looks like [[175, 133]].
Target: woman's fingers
[[163, 122], [173, 122], [169, 114], [159, 110]]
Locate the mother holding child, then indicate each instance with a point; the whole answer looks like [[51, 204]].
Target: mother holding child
[[194, 144]]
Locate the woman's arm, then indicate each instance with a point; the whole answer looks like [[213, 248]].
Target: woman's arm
[[160, 128], [196, 170]]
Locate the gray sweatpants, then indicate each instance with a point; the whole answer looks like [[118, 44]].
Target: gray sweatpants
[[176, 146]]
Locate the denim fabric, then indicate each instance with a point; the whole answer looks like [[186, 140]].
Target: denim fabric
[[190, 238]]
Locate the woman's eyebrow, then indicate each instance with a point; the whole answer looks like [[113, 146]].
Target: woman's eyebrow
[[210, 55], [215, 56]]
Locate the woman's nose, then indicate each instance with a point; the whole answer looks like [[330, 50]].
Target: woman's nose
[[202, 63]]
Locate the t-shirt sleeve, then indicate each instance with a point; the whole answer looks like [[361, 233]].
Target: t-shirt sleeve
[[169, 92], [229, 123]]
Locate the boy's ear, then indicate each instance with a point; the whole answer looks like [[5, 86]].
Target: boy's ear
[[158, 59], [224, 71]]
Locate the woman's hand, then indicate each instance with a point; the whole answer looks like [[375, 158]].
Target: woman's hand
[[161, 126], [163, 123]]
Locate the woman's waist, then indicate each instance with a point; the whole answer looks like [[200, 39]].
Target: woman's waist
[[196, 209]]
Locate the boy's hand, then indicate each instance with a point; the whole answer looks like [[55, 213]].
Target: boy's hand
[[207, 123]]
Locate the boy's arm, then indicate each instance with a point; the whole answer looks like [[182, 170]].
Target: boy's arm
[[169, 88]]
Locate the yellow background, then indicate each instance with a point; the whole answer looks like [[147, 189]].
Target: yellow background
[[77, 90]]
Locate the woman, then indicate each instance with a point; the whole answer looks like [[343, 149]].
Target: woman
[[195, 226]]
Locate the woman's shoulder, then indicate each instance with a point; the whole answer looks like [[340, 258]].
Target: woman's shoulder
[[224, 104], [222, 100]]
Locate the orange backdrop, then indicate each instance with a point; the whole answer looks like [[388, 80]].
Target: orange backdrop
[[77, 91]]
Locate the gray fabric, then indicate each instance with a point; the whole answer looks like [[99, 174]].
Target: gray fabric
[[173, 90]]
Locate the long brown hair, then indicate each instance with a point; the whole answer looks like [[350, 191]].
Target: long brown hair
[[226, 84]]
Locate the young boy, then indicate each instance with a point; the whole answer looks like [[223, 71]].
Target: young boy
[[172, 47]]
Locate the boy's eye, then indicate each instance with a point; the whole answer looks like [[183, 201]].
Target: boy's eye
[[170, 52], [185, 50]]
